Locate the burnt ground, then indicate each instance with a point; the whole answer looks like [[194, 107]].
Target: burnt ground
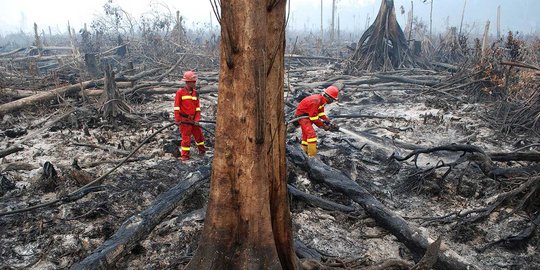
[[59, 236]]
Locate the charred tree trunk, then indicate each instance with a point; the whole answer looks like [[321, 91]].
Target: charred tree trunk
[[248, 224], [137, 227], [383, 46], [113, 104]]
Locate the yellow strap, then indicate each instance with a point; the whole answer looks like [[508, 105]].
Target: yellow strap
[[313, 118], [304, 143], [198, 109], [322, 114], [186, 148], [200, 143], [322, 106], [312, 140], [189, 97], [176, 108]]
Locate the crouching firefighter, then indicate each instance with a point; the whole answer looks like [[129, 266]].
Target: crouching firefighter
[[313, 108], [187, 113]]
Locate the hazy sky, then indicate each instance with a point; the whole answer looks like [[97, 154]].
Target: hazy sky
[[521, 15]]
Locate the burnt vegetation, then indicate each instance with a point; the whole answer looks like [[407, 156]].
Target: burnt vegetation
[[436, 164]]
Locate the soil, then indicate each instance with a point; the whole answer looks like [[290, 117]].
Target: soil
[[57, 237]]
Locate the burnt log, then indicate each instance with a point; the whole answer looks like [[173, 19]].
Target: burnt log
[[410, 236], [11, 150], [44, 97], [514, 156], [517, 240], [407, 80], [318, 202], [304, 252], [137, 227], [481, 158]]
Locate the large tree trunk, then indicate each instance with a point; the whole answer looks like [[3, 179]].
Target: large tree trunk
[[383, 46], [248, 224]]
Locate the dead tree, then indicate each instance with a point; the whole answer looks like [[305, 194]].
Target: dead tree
[[383, 46], [113, 105], [248, 223]]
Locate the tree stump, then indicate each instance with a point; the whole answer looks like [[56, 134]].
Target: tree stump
[[113, 103]]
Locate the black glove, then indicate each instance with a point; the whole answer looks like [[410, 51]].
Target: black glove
[[334, 127]]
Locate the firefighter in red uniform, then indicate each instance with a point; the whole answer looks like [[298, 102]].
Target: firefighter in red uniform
[[313, 107], [187, 112]]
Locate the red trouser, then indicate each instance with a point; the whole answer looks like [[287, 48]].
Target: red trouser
[[309, 137], [187, 130]]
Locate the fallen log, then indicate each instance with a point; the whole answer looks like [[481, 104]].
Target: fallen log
[[412, 237], [12, 52], [295, 56], [516, 156], [516, 240], [406, 80], [17, 166], [446, 66], [38, 58], [519, 64], [44, 97], [11, 150], [17, 94], [318, 202], [139, 75], [482, 159], [137, 227], [324, 84], [304, 252]]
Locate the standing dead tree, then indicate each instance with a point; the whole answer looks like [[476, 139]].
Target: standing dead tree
[[383, 46], [113, 104]]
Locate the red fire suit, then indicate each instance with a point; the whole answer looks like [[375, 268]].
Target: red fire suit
[[187, 108], [312, 106]]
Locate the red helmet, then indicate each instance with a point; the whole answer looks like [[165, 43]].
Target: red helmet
[[332, 91], [189, 76]]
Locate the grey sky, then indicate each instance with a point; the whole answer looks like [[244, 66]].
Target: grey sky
[[517, 15]]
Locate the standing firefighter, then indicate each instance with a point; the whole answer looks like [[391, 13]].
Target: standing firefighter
[[187, 112], [313, 107]]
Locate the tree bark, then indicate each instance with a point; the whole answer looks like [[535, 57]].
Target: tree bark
[[248, 223]]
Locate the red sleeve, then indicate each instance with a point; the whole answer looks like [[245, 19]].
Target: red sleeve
[[198, 110], [322, 114], [177, 101], [314, 115]]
